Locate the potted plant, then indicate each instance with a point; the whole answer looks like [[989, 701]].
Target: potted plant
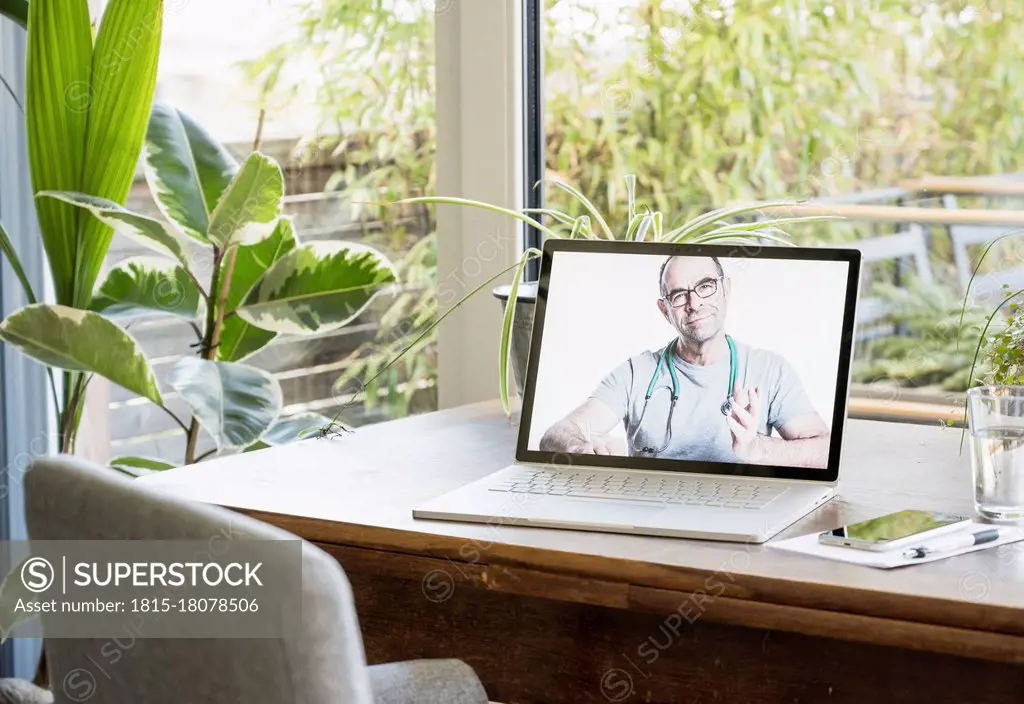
[[227, 261], [714, 227]]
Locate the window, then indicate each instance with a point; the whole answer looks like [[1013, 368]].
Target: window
[[348, 89], [25, 417], [720, 102]]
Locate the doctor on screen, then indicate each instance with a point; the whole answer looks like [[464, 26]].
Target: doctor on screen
[[704, 396]]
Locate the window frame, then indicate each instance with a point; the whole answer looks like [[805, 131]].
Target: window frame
[[26, 431], [479, 68], [533, 121]]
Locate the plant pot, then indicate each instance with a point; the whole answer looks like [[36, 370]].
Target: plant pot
[[522, 327]]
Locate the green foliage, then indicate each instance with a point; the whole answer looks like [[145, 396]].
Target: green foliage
[[933, 346], [138, 466], [1004, 349], [239, 339], [709, 227], [81, 341], [141, 285], [282, 286], [235, 403], [86, 107], [316, 287], [709, 103], [16, 10]]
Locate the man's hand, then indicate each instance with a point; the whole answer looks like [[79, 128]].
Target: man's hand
[[744, 421], [585, 431], [603, 445]]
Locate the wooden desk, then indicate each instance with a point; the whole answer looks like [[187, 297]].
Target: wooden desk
[[563, 616]]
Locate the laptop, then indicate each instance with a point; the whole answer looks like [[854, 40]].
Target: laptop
[[681, 390]]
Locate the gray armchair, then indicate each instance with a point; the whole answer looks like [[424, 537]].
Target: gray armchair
[[68, 499]]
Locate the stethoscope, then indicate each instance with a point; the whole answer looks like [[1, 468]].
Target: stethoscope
[[666, 359]]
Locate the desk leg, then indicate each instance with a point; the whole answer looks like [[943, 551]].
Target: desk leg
[[529, 650]]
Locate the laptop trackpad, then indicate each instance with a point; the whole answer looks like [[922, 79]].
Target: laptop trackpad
[[597, 511]]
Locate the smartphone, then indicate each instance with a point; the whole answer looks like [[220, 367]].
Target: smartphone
[[895, 530]]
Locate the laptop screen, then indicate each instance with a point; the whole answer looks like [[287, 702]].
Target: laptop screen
[[691, 358]]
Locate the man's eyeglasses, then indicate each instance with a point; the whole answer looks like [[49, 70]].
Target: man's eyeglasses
[[705, 289]]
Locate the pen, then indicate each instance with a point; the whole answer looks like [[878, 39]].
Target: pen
[[955, 543]]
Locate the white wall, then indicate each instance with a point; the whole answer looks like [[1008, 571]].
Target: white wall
[[602, 308]]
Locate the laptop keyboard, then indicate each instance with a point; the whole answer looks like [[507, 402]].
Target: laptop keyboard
[[689, 491]]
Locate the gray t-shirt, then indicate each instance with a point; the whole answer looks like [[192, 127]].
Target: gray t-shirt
[[699, 429]]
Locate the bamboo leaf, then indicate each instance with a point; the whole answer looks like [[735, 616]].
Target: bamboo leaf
[[235, 403], [154, 234], [239, 338], [188, 170], [248, 211], [7, 249], [83, 341], [147, 285], [317, 287]]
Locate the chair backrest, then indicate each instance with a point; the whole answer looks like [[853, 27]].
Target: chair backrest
[[963, 237], [69, 499], [907, 244]]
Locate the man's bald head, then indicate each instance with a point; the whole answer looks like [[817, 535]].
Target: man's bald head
[[668, 260]]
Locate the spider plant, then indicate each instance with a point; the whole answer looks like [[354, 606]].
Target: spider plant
[[714, 227]]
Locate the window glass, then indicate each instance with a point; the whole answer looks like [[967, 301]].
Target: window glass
[[724, 102], [348, 89]]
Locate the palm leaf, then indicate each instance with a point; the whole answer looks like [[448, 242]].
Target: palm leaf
[[58, 94], [16, 10], [123, 83], [12, 257]]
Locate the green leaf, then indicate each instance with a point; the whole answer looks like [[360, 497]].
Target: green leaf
[[480, 205], [78, 340], [295, 427], [186, 168], [238, 338], [123, 67], [12, 591], [585, 202], [235, 403], [58, 96], [142, 229], [317, 287], [7, 248], [682, 232], [144, 285], [248, 211], [139, 466], [505, 346], [16, 10]]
